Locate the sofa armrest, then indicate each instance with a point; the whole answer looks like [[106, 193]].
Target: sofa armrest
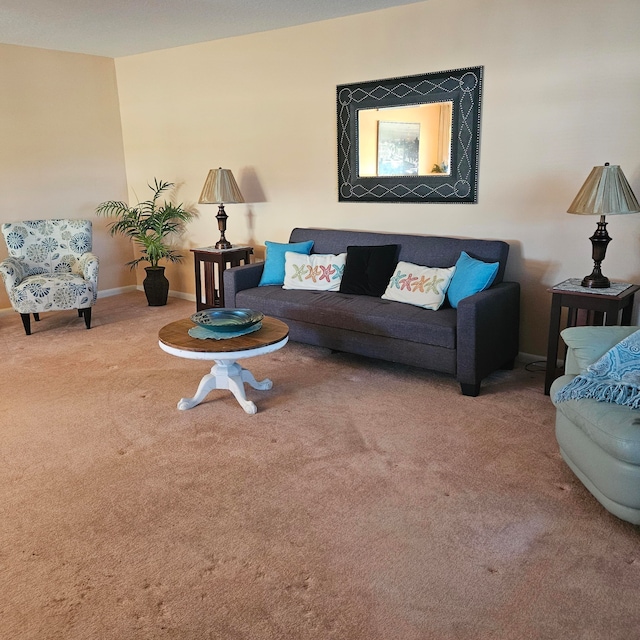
[[488, 333], [13, 271], [240, 278]]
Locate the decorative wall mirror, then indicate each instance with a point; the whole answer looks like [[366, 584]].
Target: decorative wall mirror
[[410, 139]]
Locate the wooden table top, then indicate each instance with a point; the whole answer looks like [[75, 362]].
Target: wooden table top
[[176, 335]]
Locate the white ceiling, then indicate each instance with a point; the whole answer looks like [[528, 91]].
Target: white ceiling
[[115, 28]]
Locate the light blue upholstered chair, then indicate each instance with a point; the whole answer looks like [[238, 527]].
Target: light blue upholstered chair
[[600, 441], [50, 268]]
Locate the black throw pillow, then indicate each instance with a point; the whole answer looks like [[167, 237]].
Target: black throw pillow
[[367, 270]]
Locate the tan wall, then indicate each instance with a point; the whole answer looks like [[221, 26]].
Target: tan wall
[[561, 94], [61, 152]]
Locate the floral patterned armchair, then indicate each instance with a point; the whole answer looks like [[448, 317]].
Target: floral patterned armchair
[[50, 268]]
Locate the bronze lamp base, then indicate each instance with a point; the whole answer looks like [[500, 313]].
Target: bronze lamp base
[[222, 216], [599, 241]]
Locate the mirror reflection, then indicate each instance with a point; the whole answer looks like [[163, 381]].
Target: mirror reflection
[[412, 140]]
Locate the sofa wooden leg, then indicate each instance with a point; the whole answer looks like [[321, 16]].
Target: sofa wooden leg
[[470, 389], [26, 321], [87, 317]]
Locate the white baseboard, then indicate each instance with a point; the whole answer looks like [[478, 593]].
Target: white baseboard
[[541, 361], [175, 294], [181, 294], [106, 293], [528, 358]]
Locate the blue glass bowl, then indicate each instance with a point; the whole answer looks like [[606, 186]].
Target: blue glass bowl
[[227, 319]]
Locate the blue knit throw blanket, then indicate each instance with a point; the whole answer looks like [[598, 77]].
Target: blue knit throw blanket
[[615, 377]]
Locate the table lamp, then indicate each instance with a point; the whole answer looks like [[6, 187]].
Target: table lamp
[[605, 192], [220, 187]]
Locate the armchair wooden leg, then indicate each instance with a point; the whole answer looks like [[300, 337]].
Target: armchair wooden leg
[[80, 313], [26, 321], [36, 317], [87, 316]]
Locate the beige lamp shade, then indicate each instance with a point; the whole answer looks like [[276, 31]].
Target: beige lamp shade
[[220, 187], [605, 192]]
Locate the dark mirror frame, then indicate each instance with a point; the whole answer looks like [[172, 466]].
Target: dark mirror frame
[[461, 86]]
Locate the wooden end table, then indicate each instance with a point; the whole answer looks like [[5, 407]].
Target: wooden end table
[[210, 264], [226, 373], [586, 307]]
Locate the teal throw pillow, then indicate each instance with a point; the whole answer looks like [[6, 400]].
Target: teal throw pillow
[[273, 272], [471, 276]]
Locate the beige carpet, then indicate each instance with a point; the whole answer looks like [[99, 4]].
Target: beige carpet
[[364, 500]]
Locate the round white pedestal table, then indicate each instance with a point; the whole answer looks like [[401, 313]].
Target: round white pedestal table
[[226, 373]]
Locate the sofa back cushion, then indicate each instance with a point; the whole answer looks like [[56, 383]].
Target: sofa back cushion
[[435, 251]]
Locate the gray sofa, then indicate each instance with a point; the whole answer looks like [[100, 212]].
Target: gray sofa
[[469, 342]]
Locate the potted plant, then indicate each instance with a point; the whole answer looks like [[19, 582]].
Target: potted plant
[[148, 224]]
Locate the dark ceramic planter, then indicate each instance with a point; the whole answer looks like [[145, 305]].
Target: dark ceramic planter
[[156, 286]]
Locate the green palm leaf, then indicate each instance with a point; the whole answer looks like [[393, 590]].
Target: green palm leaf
[[148, 224]]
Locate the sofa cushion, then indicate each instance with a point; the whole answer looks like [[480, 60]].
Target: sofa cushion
[[273, 272], [364, 314], [368, 269], [421, 286], [471, 277], [436, 251], [613, 427], [316, 272]]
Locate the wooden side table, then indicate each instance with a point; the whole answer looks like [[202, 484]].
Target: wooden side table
[[210, 264], [590, 307]]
